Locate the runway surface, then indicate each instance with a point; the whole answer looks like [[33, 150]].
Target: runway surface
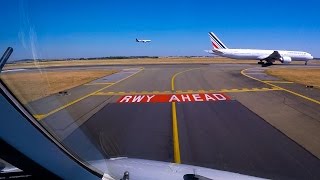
[[266, 127]]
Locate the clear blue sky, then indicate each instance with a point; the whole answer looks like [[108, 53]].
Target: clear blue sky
[[60, 29]]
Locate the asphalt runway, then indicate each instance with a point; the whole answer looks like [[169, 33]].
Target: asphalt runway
[[266, 127]]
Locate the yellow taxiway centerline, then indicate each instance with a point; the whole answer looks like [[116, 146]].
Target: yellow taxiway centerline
[[89, 84], [176, 146], [175, 132], [188, 91], [279, 82], [175, 75], [280, 88], [42, 116]]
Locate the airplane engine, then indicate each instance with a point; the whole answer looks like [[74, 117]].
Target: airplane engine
[[285, 59]]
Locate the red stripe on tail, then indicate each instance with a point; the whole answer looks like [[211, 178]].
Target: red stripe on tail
[[215, 46]]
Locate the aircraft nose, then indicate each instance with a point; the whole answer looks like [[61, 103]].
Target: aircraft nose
[[311, 57]]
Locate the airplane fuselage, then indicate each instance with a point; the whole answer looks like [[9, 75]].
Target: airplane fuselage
[[143, 41], [269, 56], [259, 54]]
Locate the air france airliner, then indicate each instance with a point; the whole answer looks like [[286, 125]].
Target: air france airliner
[[269, 56], [143, 40]]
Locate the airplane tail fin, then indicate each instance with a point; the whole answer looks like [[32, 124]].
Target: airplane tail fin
[[137, 40], [217, 44]]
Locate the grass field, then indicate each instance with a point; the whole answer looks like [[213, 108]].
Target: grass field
[[30, 86], [136, 61], [124, 62], [306, 76]]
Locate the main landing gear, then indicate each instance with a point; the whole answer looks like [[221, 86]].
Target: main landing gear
[[265, 64]]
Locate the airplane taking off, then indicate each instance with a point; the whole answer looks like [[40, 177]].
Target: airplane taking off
[[143, 40], [269, 56]]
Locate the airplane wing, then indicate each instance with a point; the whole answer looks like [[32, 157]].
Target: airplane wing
[[272, 57], [209, 51], [214, 51]]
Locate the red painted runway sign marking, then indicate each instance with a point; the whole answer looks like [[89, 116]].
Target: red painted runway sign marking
[[162, 98]]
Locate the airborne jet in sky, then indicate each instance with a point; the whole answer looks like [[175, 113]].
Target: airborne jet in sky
[[269, 56], [143, 40]]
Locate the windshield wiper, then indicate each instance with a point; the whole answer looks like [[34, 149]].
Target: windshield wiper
[[5, 57]]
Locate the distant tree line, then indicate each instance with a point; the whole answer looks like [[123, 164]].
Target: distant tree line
[[91, 58], [107, 57], [118, 57]]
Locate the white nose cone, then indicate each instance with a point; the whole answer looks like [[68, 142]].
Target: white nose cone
[[311, 57]]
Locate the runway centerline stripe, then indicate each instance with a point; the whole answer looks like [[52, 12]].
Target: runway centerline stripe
[[281, 88], [42, 116]]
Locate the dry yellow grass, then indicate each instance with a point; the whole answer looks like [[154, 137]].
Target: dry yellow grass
[[30, 86], [306, 76], [141, 61], [125, 61]]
